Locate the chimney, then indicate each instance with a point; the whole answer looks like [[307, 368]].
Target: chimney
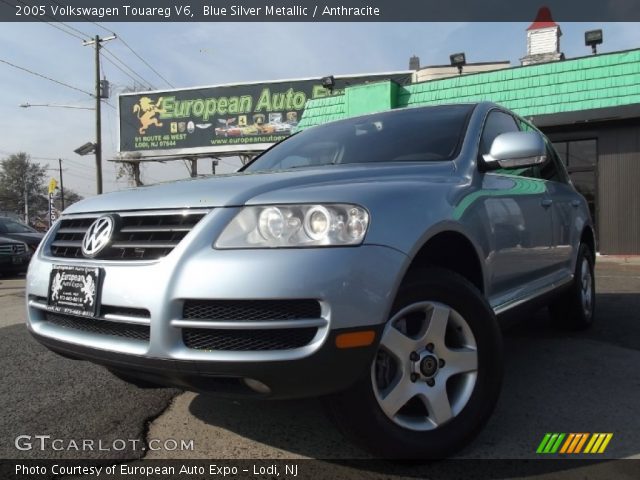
[[543, 40], [414, 63]]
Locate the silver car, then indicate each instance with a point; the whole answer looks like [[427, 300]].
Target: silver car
[[366, 260]]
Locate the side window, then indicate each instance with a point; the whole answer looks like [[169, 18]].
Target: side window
[[553, 169], [497, 122]]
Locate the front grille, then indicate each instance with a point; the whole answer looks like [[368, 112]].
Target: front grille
[[99, 326], [12, 249], [251, 310], [247, 340], [139, 236]]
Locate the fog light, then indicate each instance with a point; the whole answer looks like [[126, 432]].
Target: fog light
[[256, 386]]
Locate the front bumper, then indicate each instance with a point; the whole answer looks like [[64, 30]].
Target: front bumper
[[328, 370], [354, 287], [14, 263]]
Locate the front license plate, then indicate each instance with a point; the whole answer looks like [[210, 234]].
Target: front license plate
[[74, 290], [17, 260]]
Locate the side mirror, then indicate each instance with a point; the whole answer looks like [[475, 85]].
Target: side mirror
[[516, 150]]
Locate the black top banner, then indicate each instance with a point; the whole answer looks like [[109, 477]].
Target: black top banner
[[315, 11], [223, 119]]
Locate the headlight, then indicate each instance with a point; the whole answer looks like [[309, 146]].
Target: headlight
[[295, 226]]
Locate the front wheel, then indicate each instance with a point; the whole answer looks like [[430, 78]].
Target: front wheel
[[436, 376]]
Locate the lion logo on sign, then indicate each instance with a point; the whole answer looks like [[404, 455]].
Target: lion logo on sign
[[56, 286], [89, 289], [146, 112]]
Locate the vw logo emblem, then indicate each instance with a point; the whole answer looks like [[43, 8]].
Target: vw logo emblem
[[98, 236]]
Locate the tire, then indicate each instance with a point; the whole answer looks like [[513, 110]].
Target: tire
[[575, 309], [428, 302]]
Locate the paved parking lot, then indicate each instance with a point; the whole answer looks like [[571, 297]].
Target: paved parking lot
[[554, 382]]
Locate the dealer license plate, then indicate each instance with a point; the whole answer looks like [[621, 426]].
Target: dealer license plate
[[74, 290]]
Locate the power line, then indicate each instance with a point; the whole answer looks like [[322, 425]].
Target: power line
[[86, 35], [124, 64], [50, 23], [85, 18], [100, 26], [119, 68], [124, 43], [61, 29], [46, 78], [145, 62]]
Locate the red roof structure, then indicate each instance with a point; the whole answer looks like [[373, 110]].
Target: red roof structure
[[543, 20]]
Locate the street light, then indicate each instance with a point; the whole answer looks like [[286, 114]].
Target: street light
[[593, 38], [458, 60], [86, 149], [53, 105], [329, 82]]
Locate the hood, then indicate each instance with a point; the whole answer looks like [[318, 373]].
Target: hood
[[6, 240], [238, 189], [28, 238]]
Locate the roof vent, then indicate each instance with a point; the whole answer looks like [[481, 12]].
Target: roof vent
[[414, 63], [543, 39]]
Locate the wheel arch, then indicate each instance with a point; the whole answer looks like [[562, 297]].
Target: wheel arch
[[451, 249], [588, 238]]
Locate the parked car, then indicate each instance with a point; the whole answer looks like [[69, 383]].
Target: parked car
[[250, 130], [16, 230], [366, 260], [14, 256]]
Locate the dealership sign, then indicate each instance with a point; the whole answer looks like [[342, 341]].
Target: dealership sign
[[222, 119]]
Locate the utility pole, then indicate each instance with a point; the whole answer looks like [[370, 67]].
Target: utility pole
[[97, 41], [61, 185], [26, 192]]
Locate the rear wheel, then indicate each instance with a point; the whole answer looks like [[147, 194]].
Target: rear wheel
[[575, 308], [436, 376]]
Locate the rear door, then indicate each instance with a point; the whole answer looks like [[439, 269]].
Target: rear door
[[565, 204]]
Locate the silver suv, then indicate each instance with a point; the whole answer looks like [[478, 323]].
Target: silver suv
[[365, 260]]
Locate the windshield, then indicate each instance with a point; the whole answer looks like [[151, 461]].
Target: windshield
[[11, 226], [410, 135]]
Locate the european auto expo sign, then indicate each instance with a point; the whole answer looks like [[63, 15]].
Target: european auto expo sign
[[218, 119]]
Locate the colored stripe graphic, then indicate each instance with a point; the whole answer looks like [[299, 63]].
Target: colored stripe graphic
[[550, 443], [594, 437], [573, 443], [581, 443], [598, 443], [543, 443], [567, 443], [604, 445], [576, 439]]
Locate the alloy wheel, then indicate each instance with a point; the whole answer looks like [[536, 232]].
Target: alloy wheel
[[426, 367]]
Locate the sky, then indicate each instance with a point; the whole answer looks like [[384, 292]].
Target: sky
[[196, 54]]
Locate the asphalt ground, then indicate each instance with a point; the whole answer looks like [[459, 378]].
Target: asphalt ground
[[555, 381]]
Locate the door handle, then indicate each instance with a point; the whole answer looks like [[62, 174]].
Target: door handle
[[575, 203], [546, 202]]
